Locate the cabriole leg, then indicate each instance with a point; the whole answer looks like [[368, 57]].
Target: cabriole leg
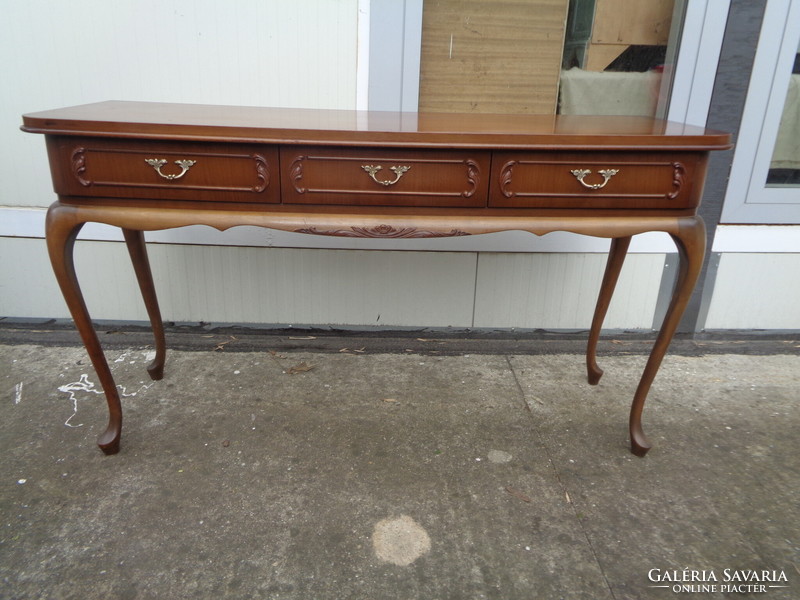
[[62, 228], [691, 243], [616, 257], [141, 266]]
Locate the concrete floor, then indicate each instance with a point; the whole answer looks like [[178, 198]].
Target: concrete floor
[[395, 475]]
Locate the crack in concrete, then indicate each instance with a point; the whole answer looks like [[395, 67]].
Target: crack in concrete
[[561, 484]]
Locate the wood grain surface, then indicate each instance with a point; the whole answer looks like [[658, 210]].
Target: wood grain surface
[[489, 57]]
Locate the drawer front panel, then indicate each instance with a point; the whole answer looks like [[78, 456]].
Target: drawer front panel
[[378, 177], [596, 180], [166, 170]]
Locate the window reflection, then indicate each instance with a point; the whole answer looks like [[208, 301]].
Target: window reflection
[[785, 164], [614, 56], [512, 56]]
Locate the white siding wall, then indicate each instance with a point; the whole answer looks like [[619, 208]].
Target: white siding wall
[[756, 291], [249, 52], [336, 287], [559, 291], [306, 53]]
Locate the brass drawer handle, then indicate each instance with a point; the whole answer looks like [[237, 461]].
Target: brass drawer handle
[[606, 173], [372, 170], [157, 163]]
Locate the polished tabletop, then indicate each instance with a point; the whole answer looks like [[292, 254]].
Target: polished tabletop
[[351, 127]]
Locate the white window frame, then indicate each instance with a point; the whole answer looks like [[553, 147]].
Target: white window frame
[[748, 199], [701, 38]]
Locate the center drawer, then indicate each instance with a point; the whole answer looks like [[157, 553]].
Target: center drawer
[[384, 177]]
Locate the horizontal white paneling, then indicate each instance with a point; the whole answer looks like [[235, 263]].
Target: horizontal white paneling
[[27, 285], [251, 52], [340, 287], [249, 285], [559, 291], [757, 238], [318, 287], [29, 222], [756, 291]]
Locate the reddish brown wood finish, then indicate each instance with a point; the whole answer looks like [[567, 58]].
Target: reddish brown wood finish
[[323, 175], [616, 257], [141, 264], [652, 180], [186, 122], [302, 171], [117, 168], [690, 239], [61, 230]]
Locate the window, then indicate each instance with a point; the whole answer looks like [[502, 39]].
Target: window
[[764, 185]]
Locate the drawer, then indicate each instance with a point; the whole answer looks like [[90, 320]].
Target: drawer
[[164, 170], [649, 180], [384, 177]]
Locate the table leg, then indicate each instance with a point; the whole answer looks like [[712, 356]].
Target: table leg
[[691, 243], [141, 265], [616, 257], [62, 228]]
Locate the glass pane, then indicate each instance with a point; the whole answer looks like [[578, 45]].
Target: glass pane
[[784, 168], [515, 56], [615, 55]]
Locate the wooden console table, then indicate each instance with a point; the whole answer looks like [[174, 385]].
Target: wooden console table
[[146, 166]]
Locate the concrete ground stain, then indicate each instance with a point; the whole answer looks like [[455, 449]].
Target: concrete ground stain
[[498, 456], [400, 540]]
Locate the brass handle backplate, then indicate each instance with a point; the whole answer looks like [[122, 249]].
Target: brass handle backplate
[[606, 173], [373, 170], [157, 163]]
